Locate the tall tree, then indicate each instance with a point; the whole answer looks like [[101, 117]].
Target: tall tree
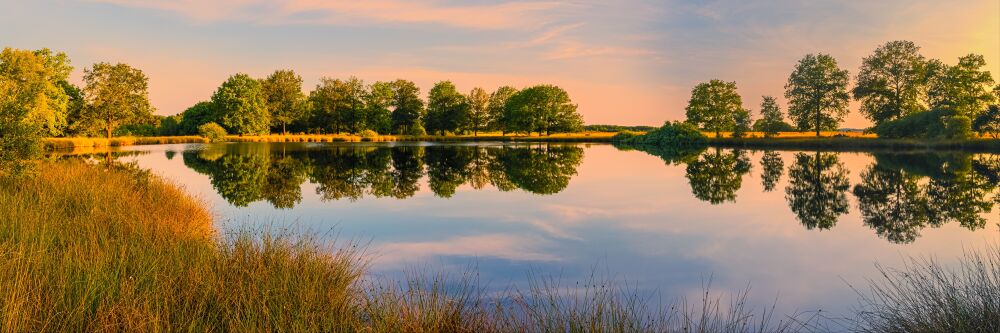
[[446, 109], [327, 108], [498, 106], [39, 78], [285, 100], [242, 106], [714, 106], [115, 95], [479, 115], [353, 92], [543, 109], [407, 107], [378, 102], [197, 115], [965, 88], [817, 93], [771, 119], [890, 82]]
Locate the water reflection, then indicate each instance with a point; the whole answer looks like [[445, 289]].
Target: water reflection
[[716, 176], [243, 174], [817, 188]]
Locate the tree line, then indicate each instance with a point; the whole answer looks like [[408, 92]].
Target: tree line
[[895, 85], [38, 99]]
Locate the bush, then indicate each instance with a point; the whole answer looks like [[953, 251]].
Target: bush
[[624, 136], [671, 134], [212, 131], [19, 143], [416, 130], [368, 134], [926, 124], [958, 127]]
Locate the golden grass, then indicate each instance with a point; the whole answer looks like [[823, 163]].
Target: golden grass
[[79, 142], [849, 134]]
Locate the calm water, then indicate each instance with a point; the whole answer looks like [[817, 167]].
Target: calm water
[[798, 226]]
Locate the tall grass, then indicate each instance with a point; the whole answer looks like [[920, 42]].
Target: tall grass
[[74, 143], [98, 248], [928, 296]]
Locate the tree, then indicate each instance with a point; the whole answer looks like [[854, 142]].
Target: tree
[[817, 93], [816, 189], [743, 123], [715, 177], [498, 106], [771, 120], [115, 95], [195, 116], [327, 113], [892, 202], [988, 122], [890, 82], [241, 106], [479, 115], [378, 101], [352, 92], [964, 88], [408, 108], [714, 105], [446, 109], [37, 80], [285, 101], [543, 109]]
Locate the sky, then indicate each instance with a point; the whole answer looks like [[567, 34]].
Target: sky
[[630, 62]]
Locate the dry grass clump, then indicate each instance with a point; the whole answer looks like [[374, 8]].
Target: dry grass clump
[[74, 143]]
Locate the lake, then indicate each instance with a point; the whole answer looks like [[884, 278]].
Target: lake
[[797, 226]]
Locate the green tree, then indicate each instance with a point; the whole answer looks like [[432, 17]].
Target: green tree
[[743, 123], [498, 107], [988, 122], [771, 120], [115, 95], [772, 167], [446, 109], [479, 110], [285, 101], [965, 88], [714, 106], [241, 106], [817, 93], [38, 78], [197, 115], [378, 101], [543, 109], [353, 92], [890, 82], [327, 106], [816, 189], [407, 107]]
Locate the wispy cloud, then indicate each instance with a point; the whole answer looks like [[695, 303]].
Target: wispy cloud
[[500, 246], [487, 16]]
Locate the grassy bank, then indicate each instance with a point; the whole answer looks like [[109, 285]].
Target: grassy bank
[[856, 143], [91, 248], [75, 143]]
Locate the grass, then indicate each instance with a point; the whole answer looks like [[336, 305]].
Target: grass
[[96, 248], [76, 143], [928, 296], [858, 143]]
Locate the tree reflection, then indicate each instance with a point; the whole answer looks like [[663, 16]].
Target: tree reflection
[[891, 202], [716, 176], [816, 189], [243, 174], [772, 167]]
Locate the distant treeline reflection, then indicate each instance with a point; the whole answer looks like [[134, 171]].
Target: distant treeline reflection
[[243, 174], [898, 196]]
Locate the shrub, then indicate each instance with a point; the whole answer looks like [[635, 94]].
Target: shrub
[[958, 127], [988, 122], [624, 136], [416, 130], [368, 134], [212, 131], [671, 134], [926, 124]]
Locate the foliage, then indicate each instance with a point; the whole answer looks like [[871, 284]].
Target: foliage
[[368, 134], [479, 110], [285, 101], [715, 177], [408, 108], [171, 125], [781, 126], [772, 167], [241, 106], [965, 87], [212, 131], [925, 124], [890, 82], [714, 106], [671, 134], [958, 127], [817, 93], [447, 109], [988, 122], [771, 119], [115, 95], [543, 109], [199, 114], [416, 130], [40, 78], [378, 101], [742, 121]]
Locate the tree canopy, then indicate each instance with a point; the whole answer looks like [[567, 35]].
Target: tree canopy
[[771, 120], [241, 106], [890, 82], [714, 106], [543, 109], [965, 87], [817, 93], [115, 95], [285, 100]]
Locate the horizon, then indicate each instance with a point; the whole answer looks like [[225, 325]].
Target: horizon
[[628, 63]]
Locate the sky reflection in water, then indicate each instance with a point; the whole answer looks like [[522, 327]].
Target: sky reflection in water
[[797, 225]]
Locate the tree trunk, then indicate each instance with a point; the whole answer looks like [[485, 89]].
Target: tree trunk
[[283, 131]]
